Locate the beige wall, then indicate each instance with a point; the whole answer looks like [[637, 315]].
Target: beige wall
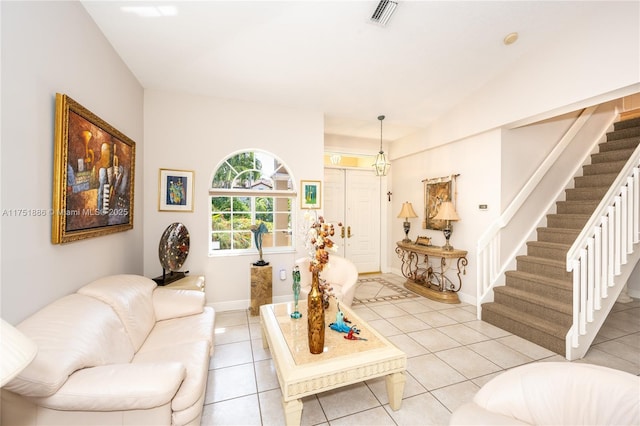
[[196, 133], [50, 47]]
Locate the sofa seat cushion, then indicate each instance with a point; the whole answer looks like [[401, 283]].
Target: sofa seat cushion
[[130, 296], [194, 356], [176, 331], [118, 387], [72, 333]]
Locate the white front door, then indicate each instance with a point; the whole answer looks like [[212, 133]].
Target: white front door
[[352, 197]]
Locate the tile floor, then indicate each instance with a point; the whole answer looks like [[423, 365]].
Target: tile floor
[[450, 356]]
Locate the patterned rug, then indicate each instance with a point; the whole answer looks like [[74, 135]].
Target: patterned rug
[[375, 289]]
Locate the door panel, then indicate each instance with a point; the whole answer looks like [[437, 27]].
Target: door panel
[[352, 197]]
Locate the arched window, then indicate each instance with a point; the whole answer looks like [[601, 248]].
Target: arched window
[[247, 188]]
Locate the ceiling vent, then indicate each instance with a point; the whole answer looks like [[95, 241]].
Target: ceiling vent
[[383, 12]]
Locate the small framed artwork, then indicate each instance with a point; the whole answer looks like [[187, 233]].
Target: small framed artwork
[[175, 190], [93, 175], [311, 195]]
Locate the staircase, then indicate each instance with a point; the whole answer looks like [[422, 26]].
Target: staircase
[[536, 302]]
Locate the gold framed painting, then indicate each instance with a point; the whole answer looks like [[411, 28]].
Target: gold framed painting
[[311, 194], [93, 175], [436, 192], [175, 190]]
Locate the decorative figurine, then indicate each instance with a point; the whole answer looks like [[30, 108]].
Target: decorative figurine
[[258, 230], [350, 335], [341, 324], [296, 292]]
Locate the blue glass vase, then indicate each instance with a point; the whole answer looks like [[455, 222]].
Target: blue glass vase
[[296, 293]]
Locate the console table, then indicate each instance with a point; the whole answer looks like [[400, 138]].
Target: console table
[[430, 280]]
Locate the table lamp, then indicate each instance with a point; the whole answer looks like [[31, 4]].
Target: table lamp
[[16, 352], [407, 212], [447, 213]]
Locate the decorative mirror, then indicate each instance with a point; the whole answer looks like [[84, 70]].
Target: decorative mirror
[[172, 251]]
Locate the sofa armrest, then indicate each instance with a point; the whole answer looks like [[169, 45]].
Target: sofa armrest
[[174, 303], [117, 387]]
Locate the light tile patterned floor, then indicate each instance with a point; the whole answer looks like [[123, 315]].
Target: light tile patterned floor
[[450, 356]]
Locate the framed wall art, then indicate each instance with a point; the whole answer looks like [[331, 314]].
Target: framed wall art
[[93, 175], [311, 194], [436, 191], [175, 190]]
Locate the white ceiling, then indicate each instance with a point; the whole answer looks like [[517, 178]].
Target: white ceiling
[[327, 56]]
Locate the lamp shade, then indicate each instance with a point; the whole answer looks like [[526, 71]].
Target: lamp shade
[[407, 211], [447, 212], [16, 352]]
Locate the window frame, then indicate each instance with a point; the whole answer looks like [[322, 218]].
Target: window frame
[[289, 195]]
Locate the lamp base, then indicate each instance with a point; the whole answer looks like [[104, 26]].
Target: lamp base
[[447, 234], [406, 226]]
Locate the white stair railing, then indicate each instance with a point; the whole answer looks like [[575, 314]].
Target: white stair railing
[[598, 254], [490, 268]]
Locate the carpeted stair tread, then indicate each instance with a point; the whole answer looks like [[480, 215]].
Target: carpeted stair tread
[[577, 206], [536, 299], [545, 267], [628, 133], [625, 124], [601, 179], [567, 220], [617, 155], [547, 249], [594, 193], [603, 168], [542, 281], [557, 235], [547, 334]]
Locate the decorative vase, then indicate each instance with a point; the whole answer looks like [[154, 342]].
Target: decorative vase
[[296, 293], [315, 315]]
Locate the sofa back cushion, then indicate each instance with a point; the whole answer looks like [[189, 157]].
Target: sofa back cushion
[[130, 296], [72, 333]]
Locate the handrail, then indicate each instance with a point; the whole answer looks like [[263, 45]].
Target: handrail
[[489, 268]]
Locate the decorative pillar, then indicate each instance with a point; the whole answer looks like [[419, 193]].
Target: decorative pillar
[[261, 288]]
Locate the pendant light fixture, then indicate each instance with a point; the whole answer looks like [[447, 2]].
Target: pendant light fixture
[[381, 165]]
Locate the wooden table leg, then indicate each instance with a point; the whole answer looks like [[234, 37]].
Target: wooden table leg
[[395, 388], [292, 412]]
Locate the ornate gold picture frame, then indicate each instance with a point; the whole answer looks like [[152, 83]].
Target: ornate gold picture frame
[[93, 175], [436, 191]]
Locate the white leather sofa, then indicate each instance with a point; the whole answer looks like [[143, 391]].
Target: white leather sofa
[[119, 351], [555, 393], [341, 273]]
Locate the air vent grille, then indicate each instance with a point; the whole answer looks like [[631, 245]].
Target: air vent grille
[[383, 12]]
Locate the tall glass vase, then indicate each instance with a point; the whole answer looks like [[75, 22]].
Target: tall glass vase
[[296, 293], [315, 315]]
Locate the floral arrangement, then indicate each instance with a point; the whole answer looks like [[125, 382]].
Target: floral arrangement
[[317, 237], [318, 241]]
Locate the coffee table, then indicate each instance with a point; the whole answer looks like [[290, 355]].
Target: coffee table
[[343, 362]]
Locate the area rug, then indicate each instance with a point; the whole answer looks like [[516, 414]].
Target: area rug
[[375, 289]]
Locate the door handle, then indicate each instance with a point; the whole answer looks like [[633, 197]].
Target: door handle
[[342, 231], [348, 231]]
